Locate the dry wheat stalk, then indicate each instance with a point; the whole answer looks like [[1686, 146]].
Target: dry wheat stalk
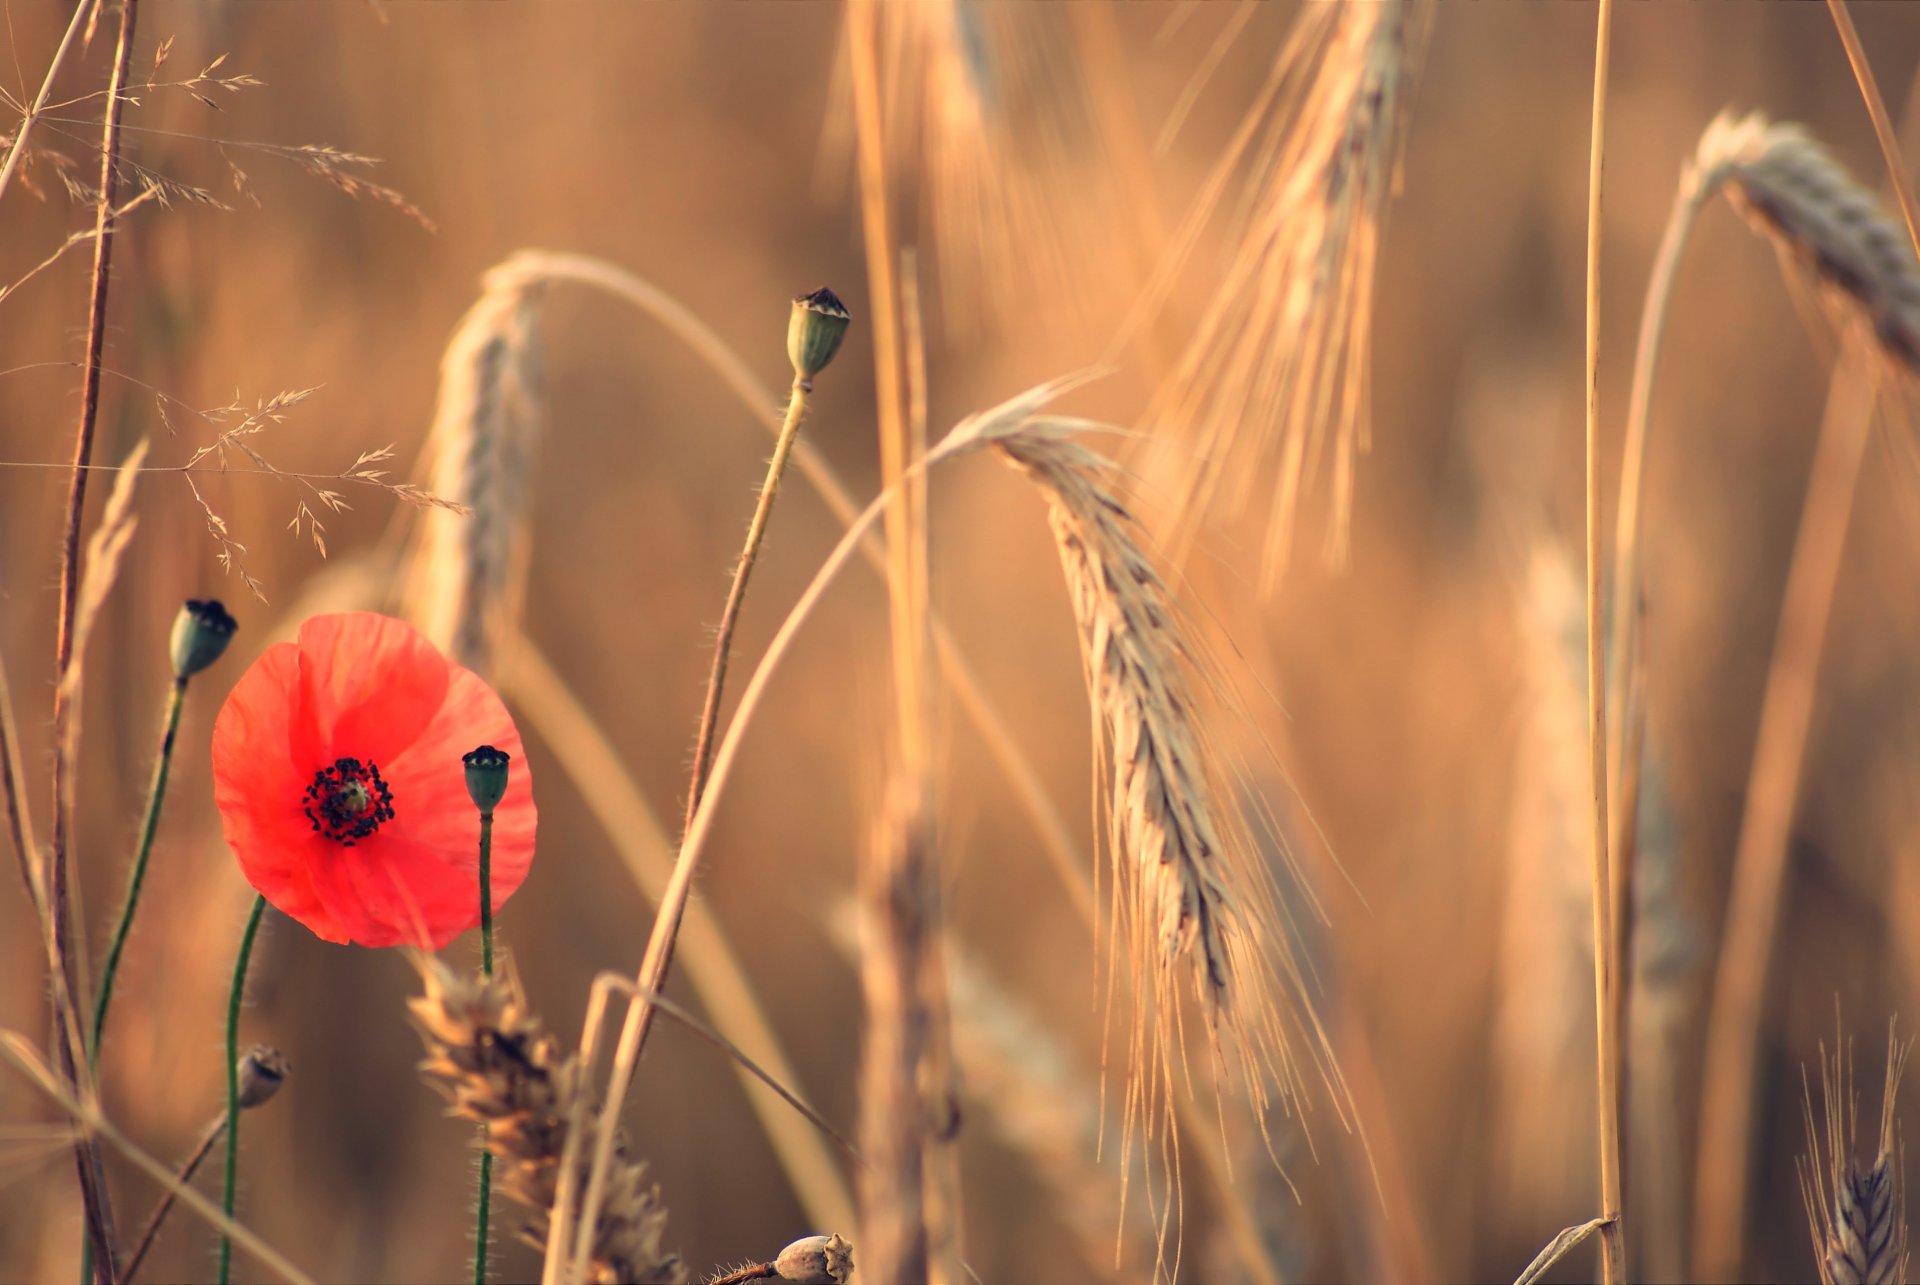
[[468, 572], [486, 1051], [993, 143], [1275, 375], [1821, 217], [1857, 1215]]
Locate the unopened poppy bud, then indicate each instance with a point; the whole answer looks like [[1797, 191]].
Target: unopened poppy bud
[[814, 332], [201, 633], [487, 776], [262, 1071], [816, 1260]]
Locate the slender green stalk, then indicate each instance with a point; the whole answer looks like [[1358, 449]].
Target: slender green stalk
[[486, 966], [1606, 965], [149, 825], [233, 1078]]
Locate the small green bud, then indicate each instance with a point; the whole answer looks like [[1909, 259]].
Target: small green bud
[[816, 1260], [814, 332], [487, 776], [262, 1071], [201, 633]]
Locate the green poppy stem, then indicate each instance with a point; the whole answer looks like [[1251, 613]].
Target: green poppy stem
[[233, 1078], [149, 825], [486, 965]]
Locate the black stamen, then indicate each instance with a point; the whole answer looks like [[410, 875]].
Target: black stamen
[[348, 801]]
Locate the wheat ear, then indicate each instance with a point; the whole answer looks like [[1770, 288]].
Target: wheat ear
[[487, 1052], [1275, 375], [1191, 894], [1856, 1213], [468, 571]]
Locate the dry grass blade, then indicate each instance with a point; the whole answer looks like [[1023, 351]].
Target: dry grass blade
[[468, 573], [1275, 376], [1568, 1240], [486, 1051], [1856, 1213]]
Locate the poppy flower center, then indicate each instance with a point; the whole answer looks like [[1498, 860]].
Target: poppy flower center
[[348, 801]]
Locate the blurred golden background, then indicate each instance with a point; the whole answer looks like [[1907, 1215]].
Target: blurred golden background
[[1412, 695]]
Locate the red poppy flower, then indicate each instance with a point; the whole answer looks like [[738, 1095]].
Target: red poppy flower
[[337, 770]]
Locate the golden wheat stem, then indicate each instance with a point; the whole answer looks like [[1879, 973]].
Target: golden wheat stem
[[674, 899], [910, 1197], [100, 1246], [1760, 857], [587, 756], [1606, 967], [1877, 109]]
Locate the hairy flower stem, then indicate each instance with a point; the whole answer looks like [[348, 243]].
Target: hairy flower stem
[[723, 647], [233, 1078], [97, 1258], [151, 1232], [737, 594], [486, 966], [149, 825]]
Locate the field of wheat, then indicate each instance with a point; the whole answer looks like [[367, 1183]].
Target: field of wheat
[[958, 640]]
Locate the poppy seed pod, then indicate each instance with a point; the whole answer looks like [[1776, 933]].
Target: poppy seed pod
[[816, 1260], [818, 324], [487, 776], [201, 633], [262, 1071]]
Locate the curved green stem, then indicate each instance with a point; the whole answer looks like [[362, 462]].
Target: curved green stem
[[486, 965], [149, 825], [233, 1077]]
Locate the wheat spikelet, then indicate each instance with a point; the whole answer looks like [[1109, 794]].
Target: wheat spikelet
[[1856, 1214], [468, 572], [1275, 376], [486, 1051], [1193, 900], [1820, 217]]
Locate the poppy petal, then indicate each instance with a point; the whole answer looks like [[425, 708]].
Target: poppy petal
[[258, 783], [370, 684]]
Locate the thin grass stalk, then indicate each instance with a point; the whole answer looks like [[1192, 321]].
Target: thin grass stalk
[[157, 1219], [909, 1199], [1882, 124], [1606, 966], [93, 1189], [24, 1059], [541, 697], [18, 151], [1760, 857], [673, 899], [13, 794]]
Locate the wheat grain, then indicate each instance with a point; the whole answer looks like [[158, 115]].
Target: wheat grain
[[486, 1051]]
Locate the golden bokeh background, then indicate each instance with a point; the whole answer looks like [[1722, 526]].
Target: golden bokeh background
[[1406, 694]]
